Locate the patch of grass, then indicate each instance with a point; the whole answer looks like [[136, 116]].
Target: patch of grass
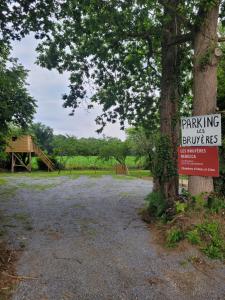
[[122, 177], [78, 206], [174, 236], [24, 219], [36, 187], [74, 174], [140, 173], [216, 203], [193, 236], [184, 263], [20, 217], [2, 181], [126, 194], [7, 192], [213, 244]]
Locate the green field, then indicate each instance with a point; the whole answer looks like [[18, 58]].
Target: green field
[[75, 174], [93, 162]]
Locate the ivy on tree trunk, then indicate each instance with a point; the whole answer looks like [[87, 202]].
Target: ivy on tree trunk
[[205, 79]]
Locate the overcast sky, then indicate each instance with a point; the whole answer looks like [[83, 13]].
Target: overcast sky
[[47, 88]]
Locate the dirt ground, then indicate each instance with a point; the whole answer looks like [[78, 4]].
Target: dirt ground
[[82, 238]]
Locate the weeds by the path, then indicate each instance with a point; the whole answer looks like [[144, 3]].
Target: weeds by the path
[[199, 221]]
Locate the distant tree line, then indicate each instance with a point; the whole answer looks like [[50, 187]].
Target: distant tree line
[[68, 145]]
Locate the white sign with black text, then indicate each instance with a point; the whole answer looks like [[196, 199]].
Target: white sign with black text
[[201, 130]]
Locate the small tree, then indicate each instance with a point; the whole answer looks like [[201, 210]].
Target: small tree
[[115, 148], [142, 144], [44, 136]]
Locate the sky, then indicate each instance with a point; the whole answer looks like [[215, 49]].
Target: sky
[[47, 88]]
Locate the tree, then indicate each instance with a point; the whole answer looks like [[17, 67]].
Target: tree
[[17, 106], [43, 135], [142, 145], [116, 47], [205, 76], [114, 148], [121, 48], [220, 182], [201, 28]]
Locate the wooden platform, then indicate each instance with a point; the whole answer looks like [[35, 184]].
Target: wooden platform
[[22, 148], [20, 144]]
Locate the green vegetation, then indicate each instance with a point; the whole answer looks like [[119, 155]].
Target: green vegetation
[[36, 187], [75, 174], [2, 181], [24, 219], [213, 243], [193, 237], [174, 236], [199, 220], [17, 106], [93, 162], [7, 192], [155, 204]]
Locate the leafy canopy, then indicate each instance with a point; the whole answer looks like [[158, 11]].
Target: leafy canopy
[[17, 106]]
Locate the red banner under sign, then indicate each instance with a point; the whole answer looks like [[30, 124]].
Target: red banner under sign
[[198, 161]]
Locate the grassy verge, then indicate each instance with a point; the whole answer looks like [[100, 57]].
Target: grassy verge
[[198, 221], [75, 173]]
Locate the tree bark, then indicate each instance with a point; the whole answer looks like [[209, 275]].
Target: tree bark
[[205, 82], [169, 101]]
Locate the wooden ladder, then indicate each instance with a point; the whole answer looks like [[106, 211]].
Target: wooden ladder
[[43, 157]]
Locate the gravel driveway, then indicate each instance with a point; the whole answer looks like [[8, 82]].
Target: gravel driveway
[[83, 239]]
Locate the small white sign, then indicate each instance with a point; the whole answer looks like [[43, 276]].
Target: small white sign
[[201, 130]]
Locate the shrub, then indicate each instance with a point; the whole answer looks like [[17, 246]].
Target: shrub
[[216, 203], [42, 166], [174, 236], [200, 201], [214, 244], [156, 204], [5, 161], [180, 207]]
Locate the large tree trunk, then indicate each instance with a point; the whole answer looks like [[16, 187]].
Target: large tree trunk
[[205, 82], [169, 103]]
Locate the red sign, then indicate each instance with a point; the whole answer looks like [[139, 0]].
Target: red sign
[[198, 161]]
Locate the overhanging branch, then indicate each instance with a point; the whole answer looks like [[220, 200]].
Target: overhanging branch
[[181, 17], [179, 39], [221, 39]]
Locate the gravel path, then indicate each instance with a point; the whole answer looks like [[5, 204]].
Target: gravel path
[[83, 239]]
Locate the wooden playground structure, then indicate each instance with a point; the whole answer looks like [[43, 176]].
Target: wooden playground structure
[[21, 149]]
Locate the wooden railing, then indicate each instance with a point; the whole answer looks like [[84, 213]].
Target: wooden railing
[[44, 158]]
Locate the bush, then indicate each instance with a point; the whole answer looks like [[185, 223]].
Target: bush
[[216, 203], [181, 207], [5, 161], [200, 201], [42, 166], [214, 244], [156, 204]]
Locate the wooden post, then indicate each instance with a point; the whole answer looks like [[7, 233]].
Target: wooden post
[[30, 162], [13, 163]]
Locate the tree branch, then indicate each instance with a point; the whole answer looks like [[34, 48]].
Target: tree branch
[[179, 39], [221, 39], [182, 18]]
